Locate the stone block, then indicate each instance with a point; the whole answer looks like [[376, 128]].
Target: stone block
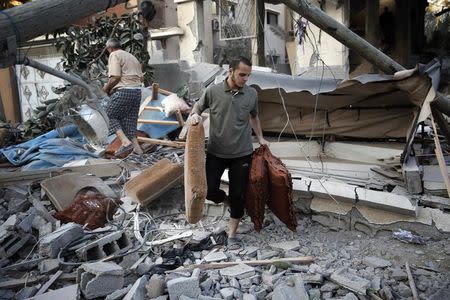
[[227, 293], [285, 246], [350, 281], [52, 243], [99, 279], [183, 286], [215, 256], [155, 286], [212, 209], [48, 266], [399, 275], [137, 291], [376, 262], [105, 246], [295, 290], [119, 294], [266, 254], [240, 271]]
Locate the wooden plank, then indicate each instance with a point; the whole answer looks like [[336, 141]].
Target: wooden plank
[[162, 142], [221, 265], [109, 169], [45, 287], [154, 108], [412, 284], [179, 117], [160, 122], [15, 283], [440, 158]]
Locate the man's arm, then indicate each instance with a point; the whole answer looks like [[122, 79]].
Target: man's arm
[[195, 115], [256, 125], [112, 82]]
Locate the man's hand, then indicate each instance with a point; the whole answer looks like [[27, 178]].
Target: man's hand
[[263, 141], [106, 89], [193, 119]]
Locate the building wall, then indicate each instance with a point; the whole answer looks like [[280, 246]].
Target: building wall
[[274, 44], [332, 52]]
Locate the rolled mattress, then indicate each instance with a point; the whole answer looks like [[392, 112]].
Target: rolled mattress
[[195, 187]]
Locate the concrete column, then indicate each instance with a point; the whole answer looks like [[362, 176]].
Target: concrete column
[[192, 20]]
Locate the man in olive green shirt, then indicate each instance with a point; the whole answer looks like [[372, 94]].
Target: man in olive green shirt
[[233, 113]]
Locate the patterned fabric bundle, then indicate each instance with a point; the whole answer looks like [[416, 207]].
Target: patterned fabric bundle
[[269, 183]]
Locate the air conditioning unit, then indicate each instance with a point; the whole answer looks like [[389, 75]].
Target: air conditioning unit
[[215, 25]]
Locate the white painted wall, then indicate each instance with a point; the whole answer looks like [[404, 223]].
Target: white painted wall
[[333, 53]]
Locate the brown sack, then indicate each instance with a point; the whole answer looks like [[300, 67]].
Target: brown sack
[[195, 187], [90, 208], [280, 182], [258, 188]]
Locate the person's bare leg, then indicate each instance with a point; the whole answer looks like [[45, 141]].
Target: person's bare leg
[[232, 227], [137, 148], [123, 138]]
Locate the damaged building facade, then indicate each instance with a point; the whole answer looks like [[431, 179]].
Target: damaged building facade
[[355, 198]]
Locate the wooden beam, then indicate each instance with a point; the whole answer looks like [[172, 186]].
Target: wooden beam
[[160, 122], [440, 158], [162, 142], [412, 285], [109, 169], [45, 287], [294, 260], [153, 108], [260, 17]]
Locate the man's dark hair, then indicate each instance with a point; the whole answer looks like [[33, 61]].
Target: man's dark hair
[[235, 62]]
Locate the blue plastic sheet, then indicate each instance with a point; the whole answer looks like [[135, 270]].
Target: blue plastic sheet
[[48, 150], [157, 131]]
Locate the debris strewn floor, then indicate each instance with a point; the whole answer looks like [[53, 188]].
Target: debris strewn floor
[[152, 252]]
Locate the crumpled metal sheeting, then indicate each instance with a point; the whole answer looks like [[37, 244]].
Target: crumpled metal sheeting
[[269, 182], [258, 189], [176, 155], [90, 208]]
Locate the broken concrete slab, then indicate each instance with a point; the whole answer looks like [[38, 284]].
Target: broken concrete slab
[[137, 291], [48, 266], [293, 289], [350, 281], [70, 292], [354, 194], [266, 254], [62, 189], [183, 286], [155, 286], [105, 246], [154, 181], [99, 279], [286, 246], [52, 243], [376, 262], [215, 256], [119, 294], [240, 271], [399, 274]]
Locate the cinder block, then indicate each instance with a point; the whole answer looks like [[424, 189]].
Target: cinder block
[[105, 246], [11, 242], [99, 279], [51, 244], [154, 181]]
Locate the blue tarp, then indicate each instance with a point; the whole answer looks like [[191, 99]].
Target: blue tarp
[[156, 131], [48, 150]]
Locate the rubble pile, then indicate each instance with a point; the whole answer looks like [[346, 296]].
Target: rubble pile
[[152, 252]]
